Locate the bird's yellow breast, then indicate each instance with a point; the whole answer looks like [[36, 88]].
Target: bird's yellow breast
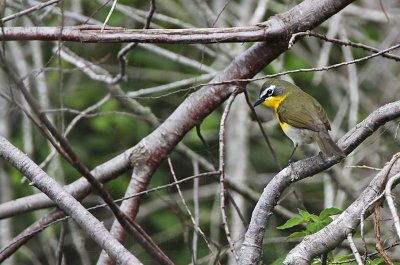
[[275, 102]]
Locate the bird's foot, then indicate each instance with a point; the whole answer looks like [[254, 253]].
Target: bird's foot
[[292, 173], [322, 156]]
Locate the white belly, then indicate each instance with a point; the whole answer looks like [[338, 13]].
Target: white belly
[[299, 136]]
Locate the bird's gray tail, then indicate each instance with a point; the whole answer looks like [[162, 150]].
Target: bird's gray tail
[[328, 146]]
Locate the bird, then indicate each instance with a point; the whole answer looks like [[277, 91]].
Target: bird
[[301, 117]]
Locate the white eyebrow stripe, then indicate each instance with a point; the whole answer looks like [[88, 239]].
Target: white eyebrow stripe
[[265, 90]]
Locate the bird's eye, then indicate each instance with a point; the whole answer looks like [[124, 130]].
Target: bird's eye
[[267, 92]]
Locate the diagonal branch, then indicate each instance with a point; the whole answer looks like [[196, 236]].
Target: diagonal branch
[[66, 202]]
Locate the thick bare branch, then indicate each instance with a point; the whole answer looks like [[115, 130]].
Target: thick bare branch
[[302, 17], [271, 31], [330, 236], [67, 203], [78, 189]]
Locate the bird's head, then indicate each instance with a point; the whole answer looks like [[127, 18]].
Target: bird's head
[[272, 92]]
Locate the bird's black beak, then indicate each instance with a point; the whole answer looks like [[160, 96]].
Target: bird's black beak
[[258, 102]]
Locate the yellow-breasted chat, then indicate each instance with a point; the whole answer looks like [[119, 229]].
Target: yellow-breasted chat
[[300, 116]]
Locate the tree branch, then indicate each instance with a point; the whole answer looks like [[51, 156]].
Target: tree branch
[[273, 30], [251, 248], [78, 189], [66, 202], [331, 235], [302, 17]]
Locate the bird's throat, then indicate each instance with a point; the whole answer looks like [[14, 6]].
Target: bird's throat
[[274, 102]]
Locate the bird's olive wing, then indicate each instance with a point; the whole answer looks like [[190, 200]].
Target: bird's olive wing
[[322, 114], [304, 116]]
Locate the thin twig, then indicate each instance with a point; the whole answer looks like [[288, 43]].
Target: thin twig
[[196, 227], [377, 228], [266, 138], [392, 207], [222, 170], [109, 15], [162, 88], [238, 211], [384, 11], [340, 42], [374, 202], [354, 249], [196, 209], [294, 71], [205, 144], [124, 51], [61, 242], [365, 167], [29, 10], [206, 174], [301, 70], [362, 219], [60, 70], [74, 121]]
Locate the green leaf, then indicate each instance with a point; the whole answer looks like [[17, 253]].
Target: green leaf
[[347, 263], [306, 215], [326, 221], [291, 222], [329, 212], [315, 218], [280, 260], [377, 261], [297, 234], [344, 258], [313, 227]]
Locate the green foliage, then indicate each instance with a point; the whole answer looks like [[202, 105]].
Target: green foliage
[[279, 260], [378, 261], [313, 222], [349, 260]]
